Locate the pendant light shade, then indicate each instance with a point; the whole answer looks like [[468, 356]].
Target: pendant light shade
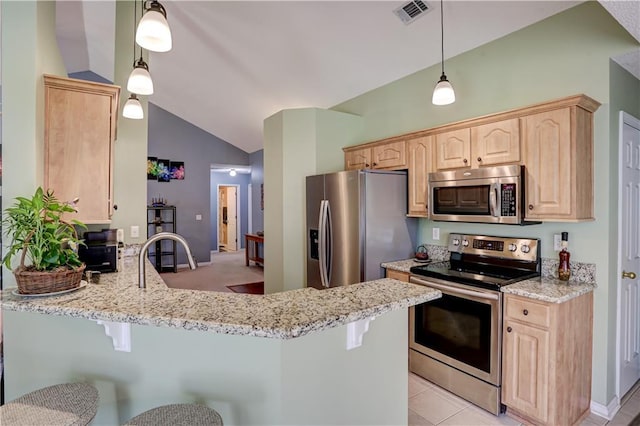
[[153, 30], [140, 80], [443, 93], [133, 108]]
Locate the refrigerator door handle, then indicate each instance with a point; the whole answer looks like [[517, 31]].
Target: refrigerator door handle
[[322, 243], [329, 243]]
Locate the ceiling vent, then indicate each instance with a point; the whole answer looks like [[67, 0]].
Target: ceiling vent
[[411, 11]]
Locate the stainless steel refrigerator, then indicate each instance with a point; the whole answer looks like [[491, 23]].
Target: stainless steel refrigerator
[[355, 221]]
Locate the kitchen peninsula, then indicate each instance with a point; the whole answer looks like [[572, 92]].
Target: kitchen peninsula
[[275, 359]]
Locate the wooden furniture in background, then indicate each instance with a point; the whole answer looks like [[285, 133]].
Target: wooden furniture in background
[[79, 136], [252, 248], [546, 359], [163, 254]]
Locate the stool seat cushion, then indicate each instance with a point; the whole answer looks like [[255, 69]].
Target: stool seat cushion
[[68, 404], [177, 415]]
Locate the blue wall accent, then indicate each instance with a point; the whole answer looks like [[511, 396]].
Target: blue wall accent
[[90, 76], [173, 138], [257, 179], [243, 180]]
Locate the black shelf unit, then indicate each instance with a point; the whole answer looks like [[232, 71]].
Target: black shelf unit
[[163, 254]]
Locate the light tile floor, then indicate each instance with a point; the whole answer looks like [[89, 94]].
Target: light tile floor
[[430, 405]]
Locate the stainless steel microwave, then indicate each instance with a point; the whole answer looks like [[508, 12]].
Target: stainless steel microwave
[[487, 195]]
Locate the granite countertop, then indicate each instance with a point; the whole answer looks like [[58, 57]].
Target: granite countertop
[[548, 289], [279, 315]]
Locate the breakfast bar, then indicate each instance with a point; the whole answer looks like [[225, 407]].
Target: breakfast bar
[[281, 358]]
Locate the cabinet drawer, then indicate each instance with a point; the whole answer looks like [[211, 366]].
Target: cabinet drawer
[[528, 311], [397, 275]]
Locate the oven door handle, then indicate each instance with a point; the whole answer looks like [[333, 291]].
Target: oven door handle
[[456, 290]]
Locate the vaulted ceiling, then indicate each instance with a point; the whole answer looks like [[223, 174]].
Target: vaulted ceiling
[[234, 63]]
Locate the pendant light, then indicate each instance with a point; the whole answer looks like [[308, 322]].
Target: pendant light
[[443, 93], [153, 31], [232, 172], [139, 80], [133, 108]]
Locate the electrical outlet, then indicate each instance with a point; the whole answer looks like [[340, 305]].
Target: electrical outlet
[[135, 231], [435, 233], [198, 217], [557, 242]]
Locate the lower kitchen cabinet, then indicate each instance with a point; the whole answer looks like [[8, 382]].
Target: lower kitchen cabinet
[[546, 362], [397, 275]]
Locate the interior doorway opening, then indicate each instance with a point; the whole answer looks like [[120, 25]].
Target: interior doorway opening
[[228, 223]]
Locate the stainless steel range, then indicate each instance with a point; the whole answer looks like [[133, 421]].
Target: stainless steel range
[[456, 341]]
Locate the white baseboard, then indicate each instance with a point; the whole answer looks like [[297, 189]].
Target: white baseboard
[[606, 411]]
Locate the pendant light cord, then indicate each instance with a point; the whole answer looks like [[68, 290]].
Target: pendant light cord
[[442, 32], [135, 13]]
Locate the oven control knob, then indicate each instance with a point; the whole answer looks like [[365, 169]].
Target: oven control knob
[[525, 248], [513, 247], [456, 242], [465, 243]]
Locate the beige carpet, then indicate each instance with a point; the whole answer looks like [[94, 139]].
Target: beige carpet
[[227, 268]]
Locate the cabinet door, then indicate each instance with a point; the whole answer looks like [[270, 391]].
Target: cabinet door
[[79, 135], [420, 164], [357, 159], [548, 151], [453, 149], [390, 156], [496, 143], [525, 369]]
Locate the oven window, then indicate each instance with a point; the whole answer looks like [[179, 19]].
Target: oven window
[[456, 327], [461, 200]]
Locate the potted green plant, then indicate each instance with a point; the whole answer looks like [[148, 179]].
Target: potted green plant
[[37, 230]]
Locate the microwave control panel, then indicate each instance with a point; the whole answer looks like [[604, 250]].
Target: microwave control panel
[[508, 199]]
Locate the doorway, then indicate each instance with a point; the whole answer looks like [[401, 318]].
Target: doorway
[[228, 208], [628, 283]]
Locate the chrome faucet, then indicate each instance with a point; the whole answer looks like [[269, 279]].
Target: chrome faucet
[[161, 236]]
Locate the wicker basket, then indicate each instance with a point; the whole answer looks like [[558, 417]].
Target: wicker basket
[[40, 282]]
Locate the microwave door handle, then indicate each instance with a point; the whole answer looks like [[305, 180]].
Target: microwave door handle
[[493, 200]]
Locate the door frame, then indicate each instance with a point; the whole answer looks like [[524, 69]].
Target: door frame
[[239, 237], [624, 118]]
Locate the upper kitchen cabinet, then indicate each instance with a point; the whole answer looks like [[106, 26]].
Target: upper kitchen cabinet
[[558, 155], [420, 165], [487, 144], [80, 132], [384, 155]]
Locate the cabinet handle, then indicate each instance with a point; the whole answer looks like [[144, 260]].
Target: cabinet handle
[[375, 164], [509, 329], [115, 207], [479, 159], [530, 206], [465, 161], [525, 312], [366, 165]]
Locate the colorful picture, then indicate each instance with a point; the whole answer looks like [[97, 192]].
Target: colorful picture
[[176, 170], [152, 165], [163, 170]]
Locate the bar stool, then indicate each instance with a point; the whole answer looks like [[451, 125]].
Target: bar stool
[[177, 415], [68, 404]]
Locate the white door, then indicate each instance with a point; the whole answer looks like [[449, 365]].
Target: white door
[[232, 218], [629, 269]]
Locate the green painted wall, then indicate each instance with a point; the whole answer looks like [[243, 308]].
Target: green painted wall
[[298, 143], [312, 380], [23, 65], [563, 55]]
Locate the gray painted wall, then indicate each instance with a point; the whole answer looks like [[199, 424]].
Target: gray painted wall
[[171, 137], [243, 181], [257, 179]]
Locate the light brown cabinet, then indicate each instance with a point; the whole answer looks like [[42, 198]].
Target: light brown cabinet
[[420, 165], [546, 362], [80, 131], [558, 153], [398, 275], [487, 144], [389, 156]]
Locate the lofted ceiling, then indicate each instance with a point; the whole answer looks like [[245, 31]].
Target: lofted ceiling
[[235, 63]]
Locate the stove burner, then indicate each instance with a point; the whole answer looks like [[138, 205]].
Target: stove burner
[[479, 266]]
